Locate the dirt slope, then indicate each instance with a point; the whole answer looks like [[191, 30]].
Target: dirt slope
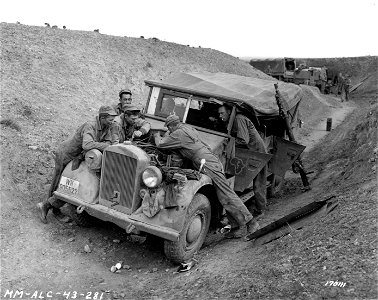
[[52, 80]]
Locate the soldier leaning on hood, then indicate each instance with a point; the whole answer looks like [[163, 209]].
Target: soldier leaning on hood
[[185, 139], [96, 134], [132, 125]]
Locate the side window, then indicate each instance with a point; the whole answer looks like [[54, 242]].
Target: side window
[[169, 104], [204, 114]]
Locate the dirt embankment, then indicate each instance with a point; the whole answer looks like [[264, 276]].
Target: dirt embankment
[[53, 80]]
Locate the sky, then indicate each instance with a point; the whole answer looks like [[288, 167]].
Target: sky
[[242, 28]]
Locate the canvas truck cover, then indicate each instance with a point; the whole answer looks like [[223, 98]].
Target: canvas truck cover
[[258, 94]]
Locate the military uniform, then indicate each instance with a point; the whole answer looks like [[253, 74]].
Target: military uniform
[[126, 130], [88, 136], [185, 140], [347, 84], [119, 108], [246, 136]]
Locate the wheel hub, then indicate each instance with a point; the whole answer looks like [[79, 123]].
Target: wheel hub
[[194, 229]]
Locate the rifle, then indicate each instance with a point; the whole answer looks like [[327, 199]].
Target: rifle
[[298, 163]]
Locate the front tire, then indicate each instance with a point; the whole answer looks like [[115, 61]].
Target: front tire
[[196, 226]]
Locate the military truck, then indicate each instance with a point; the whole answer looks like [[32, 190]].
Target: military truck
[[288, 71], [146, 190]]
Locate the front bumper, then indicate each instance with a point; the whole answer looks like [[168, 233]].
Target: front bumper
[[121, 219]]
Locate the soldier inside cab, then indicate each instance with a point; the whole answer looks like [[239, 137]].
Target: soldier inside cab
[[132, 126]]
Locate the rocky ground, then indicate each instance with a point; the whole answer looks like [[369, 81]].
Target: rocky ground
[[51, 80]]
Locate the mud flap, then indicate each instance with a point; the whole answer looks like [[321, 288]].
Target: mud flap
[[245, 166], [286, 153]]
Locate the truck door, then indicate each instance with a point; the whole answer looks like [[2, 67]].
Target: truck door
[[284, 155], [245, 166]]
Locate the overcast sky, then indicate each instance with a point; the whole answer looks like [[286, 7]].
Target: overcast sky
[[242, 28]]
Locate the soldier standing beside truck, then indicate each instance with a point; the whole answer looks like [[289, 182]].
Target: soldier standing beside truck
[[246, 136], [96, 134], [186, 141], [347, 84]]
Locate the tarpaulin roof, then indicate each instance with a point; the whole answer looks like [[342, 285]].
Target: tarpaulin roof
[[254, 92]]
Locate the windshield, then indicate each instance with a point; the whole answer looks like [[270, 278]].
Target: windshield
[[194, 110]]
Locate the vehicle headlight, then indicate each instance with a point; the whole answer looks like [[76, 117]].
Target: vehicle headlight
[[152, 176]]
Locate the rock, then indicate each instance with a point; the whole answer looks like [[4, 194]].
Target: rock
[[116, 241], [126, 267], [87, 249], [118, 266], [33, 147], [71, 239], [113, 269]]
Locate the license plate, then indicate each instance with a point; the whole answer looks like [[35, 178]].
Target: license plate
[[69, 185]]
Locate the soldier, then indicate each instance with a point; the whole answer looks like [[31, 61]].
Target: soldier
[[132, 125], [340, 85], [246, 136], [96, 134], [347, 84], [186, 141], [124, 100]]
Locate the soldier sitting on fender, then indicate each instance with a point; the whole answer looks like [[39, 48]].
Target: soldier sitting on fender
[[132, 126], [96, 134], [124, 100]]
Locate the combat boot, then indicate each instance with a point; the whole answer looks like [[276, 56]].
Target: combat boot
[[253, 226], [43, 208], [243, 230]]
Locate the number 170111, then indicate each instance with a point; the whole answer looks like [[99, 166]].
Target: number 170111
[[335, 283]]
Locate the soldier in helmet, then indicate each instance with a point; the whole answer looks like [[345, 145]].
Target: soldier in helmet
[[125, 98], [96, 134], [132, 125]]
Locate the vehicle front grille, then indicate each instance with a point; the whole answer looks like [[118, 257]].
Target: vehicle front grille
[[118, 176]]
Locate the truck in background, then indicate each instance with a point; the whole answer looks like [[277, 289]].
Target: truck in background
[[288, 71]]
